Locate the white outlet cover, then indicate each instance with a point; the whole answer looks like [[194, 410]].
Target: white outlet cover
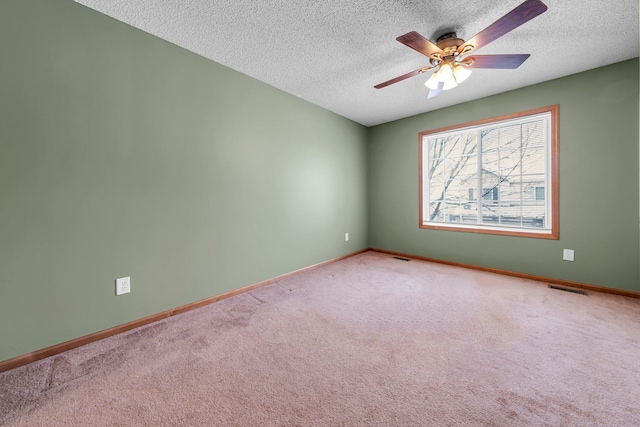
[[123, 285], [346, 237], [568, 255]]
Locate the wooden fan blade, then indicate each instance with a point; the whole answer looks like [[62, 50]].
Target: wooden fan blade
[[518, 16], [418, 43], [402, 77], [498, 61]]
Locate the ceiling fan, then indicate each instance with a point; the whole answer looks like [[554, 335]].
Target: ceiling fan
[[450, 54]]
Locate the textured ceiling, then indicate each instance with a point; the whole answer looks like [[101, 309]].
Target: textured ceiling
[[332, 52]]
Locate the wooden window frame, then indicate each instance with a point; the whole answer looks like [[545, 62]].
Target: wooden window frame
[[554, 152]]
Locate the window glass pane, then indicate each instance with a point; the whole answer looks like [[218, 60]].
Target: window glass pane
[[510, 139], [436, 170], [490, 213], [533, 161], [462, 144], [532, 185], [511, 212], [491, 163], [435, 148], [436, 190], [469, 213], [462, 172], [465, 213], [533, 216], [436, 211], [490, 183], [494, 175], [533, 134], [490, 140], [510, 192], [510, 159]]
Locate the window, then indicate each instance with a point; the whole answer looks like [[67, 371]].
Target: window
[[490, 193], [495, 176]]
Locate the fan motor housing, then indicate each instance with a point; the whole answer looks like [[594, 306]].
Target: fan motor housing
[[449, 43]]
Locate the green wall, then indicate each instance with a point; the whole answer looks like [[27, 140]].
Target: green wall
[[124, 155], [598, 183]]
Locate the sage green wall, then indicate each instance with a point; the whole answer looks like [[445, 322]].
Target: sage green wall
[[122, 154], [598, 183]]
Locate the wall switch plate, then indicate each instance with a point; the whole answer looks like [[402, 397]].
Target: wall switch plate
[[567, 254], [346, 237], [123, 285]]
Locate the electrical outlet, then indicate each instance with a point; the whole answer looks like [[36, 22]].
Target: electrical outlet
[[346, 237], [567, 254], [123, 285]]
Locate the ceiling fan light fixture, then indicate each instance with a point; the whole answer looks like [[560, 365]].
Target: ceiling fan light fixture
[[445, 73], [450, 84], [461, 73], [433, 82], [448, 76]]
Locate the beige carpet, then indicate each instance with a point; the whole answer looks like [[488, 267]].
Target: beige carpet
[[369, 341]]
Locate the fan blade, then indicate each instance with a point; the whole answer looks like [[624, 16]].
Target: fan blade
[[402, 77], [512, 20], [509, 61], [436, 92], [418, 43]]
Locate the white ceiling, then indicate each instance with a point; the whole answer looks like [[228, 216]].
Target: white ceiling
[[332, 52]]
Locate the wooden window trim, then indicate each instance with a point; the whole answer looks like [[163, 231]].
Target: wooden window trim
[[554, 150]]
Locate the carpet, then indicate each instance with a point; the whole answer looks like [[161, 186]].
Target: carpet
[[367, 341]]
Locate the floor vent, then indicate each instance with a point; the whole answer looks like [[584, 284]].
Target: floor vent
[[575, 291], [401, 259]]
